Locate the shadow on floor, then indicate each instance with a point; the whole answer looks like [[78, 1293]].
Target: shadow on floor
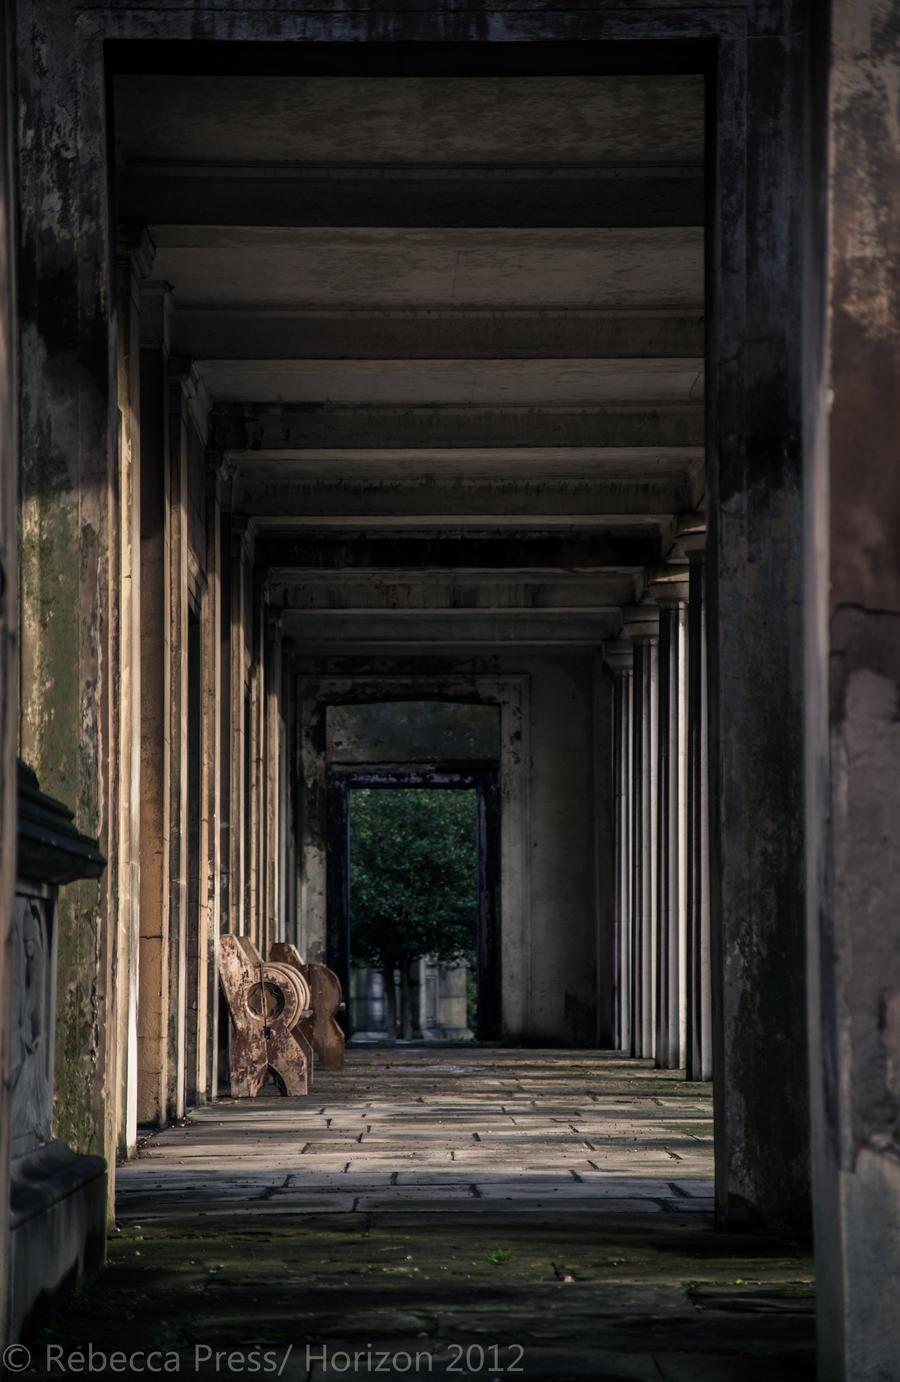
[[223, 1266]]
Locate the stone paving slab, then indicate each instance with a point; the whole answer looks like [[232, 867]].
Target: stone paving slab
[[577, 1225], [454, 1126]]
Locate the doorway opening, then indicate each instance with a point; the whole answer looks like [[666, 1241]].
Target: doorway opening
[[413, 901], [413, 912]]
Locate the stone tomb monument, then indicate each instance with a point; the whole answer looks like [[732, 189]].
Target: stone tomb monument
[[57, 1197]]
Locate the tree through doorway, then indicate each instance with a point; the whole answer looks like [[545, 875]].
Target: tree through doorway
[[413, 890], [414, 911]]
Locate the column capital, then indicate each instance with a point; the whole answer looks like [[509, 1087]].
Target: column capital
[[156, 313], [619, 656], [669, 585], [641, 622], [692, 535], [135, 248]]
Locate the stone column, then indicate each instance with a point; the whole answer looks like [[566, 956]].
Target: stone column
[[237, 748], [641, 624], [755, 271], [271, 777], [182, 385], [134, 261], [853, 695], [212, 777], [669, 588], [156, 694], [255, 838], [68, 479], [692, 541], [619, 658], [9, 670]]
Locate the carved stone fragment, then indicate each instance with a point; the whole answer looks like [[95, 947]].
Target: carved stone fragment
[[267, 1001], [323, 1031]]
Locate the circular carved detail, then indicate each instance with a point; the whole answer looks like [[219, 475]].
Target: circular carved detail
[[280, 994], [266, 1001]]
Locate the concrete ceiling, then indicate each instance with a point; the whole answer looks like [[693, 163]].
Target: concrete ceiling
[[452, 334]]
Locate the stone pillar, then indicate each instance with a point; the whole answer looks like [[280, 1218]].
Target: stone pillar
[[619, 658], [853, 692], [237, 748], [271, 778], [9, 668], [755, 268], [255, 836], [156, 694], [669, 589], [134, 261], [692, 541], [68, 482], [641, 624], [212, 779], [182, 385]]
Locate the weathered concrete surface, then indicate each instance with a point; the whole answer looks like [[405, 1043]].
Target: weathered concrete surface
[[452, 1201], [853, 652], [67, 492], [755, 632], [9, 672]]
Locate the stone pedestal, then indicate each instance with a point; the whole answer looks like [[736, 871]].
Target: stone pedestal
[[57, 1197]]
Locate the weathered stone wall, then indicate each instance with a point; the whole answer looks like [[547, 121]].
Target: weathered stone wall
[[755, 626], [853, 649], [68, 607], [8, 619]]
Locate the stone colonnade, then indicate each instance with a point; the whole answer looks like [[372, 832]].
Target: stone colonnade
[[202, 796], [659, 767]]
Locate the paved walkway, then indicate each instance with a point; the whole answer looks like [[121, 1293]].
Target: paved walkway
[[464, 1213], [413, 1128]]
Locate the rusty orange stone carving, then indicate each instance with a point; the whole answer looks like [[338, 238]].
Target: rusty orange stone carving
[[268, 1001], [322, 1030]]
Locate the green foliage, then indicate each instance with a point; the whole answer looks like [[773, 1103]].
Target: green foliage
[[413, 888]]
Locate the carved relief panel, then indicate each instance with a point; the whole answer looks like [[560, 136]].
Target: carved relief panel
[[33, 1018]]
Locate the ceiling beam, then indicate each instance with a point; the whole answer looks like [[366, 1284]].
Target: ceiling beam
[[225, 195], [271, 427], [468, 499], [232, 333], [464, 383], [344, 592], [444, 628], [470, 553]]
